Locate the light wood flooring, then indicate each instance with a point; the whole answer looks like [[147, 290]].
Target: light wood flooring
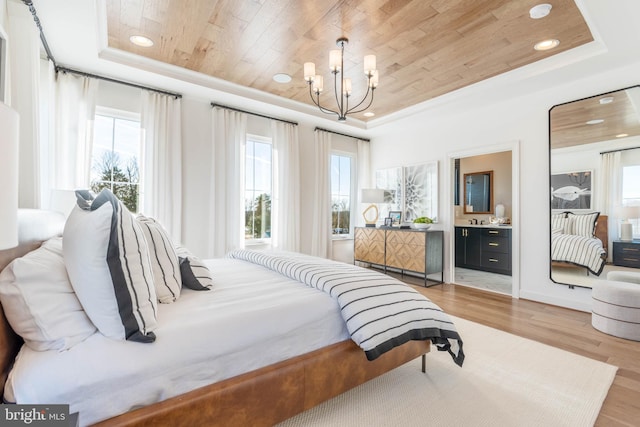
[[560, 327]]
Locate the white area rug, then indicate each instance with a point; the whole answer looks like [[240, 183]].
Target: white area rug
[[505, 381]]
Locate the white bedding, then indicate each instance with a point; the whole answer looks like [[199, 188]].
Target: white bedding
[[253, 318]]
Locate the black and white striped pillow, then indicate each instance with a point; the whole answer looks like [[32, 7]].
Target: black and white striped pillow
[[164, 260], [107, 260], [584, 224], [195, 275]]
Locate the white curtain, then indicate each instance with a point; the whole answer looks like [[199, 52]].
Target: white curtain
[[609, 193], [227, 184], [285, 212], [364, 173], [161, 186], [70, 148], [321, 243], [23, 95]]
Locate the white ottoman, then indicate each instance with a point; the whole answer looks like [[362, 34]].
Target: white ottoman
[[616, 308]]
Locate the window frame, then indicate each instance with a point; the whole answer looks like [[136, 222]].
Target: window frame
[[264, 140], [118, 114], [352, 196]]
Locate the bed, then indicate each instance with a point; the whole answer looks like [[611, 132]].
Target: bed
[[579, 240], [290, 361]]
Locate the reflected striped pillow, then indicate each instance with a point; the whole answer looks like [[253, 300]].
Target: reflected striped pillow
[[195, 275], [583, 224], [164, 260]]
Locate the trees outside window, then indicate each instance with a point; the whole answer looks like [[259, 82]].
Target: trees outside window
[[258, 188]]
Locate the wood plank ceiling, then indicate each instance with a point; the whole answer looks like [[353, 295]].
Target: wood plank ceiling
[[424, 48]]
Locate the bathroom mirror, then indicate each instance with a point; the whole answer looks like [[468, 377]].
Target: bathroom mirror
[[478, 192], [592, 143]]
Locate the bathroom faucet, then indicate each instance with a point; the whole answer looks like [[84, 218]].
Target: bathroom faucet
[[473, 221]]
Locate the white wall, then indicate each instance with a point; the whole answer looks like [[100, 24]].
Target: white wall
[[435, 133]]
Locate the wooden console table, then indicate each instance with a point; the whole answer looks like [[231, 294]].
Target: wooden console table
[[403, 250]]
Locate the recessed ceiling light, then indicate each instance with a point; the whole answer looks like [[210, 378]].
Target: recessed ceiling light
[[546, 44], [606, 100], [369, 114], [540, 11], [622, 135], [141, 41], [594, 122], [282, 78]]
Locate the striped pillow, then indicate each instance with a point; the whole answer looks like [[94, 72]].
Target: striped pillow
[[560, 222], [164, 260], [583, 224], [107, 259], [195, 275]]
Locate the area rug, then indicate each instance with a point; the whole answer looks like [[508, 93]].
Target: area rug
[[506, 381]]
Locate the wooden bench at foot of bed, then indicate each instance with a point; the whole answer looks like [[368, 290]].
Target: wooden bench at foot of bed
[[274, 393]]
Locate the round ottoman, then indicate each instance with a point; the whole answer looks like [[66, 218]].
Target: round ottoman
[[616, 308]]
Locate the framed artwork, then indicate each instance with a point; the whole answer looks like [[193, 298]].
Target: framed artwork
[[396, 217], [421, 191], [412, 190], [572, 190]]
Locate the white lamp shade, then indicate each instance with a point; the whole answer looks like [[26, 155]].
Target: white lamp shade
[[309, 71], [335, 59], [372, 195], [369, 64], [9, 124], [630, 212], [318, 83], [346, 88]]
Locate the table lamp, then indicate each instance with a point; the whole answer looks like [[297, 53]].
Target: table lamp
[[373, 196], [626, 228], [9, 123]]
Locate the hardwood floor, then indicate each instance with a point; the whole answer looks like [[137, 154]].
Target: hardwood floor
[[560, 327]]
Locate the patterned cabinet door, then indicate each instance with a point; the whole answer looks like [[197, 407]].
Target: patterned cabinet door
[[406, 250], [369, 245]]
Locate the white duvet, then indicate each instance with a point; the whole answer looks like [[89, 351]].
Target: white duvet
[[253, 318]]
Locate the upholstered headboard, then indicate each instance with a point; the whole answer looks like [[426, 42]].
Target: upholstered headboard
[[34, 227], [602, 231]]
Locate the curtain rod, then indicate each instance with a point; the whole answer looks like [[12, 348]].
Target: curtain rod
[[43, 39], [109, 79], [213, 105], [343, 134], [621, 149]]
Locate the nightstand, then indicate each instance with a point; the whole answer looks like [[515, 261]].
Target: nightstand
[[626, 254]]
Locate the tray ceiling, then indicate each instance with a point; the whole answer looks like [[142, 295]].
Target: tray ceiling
[[424, 48]]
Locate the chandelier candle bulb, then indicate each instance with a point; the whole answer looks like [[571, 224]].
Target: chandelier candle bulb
[[309, 71], [369, 65], [318, 84], [373, 81], [346, 88], [335, 58]]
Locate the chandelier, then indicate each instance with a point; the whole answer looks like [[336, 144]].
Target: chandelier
[[341, 85]]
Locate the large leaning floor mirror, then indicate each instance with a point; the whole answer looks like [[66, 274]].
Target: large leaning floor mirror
[[594, 146]]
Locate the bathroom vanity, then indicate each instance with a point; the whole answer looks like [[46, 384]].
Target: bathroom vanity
[[484, 247]]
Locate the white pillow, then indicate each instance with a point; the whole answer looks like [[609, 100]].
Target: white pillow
[[39, 301], [164, 260], [108, 263], [583, 224], [195, 275]]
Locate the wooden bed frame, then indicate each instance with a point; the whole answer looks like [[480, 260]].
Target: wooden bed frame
[[601, 232], [262, 397]]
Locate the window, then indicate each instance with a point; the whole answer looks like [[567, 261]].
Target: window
[[341, 191], [258, 185], [115, 160], [631, 193]]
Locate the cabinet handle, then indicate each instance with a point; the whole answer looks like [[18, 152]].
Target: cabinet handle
[[631, 259], [493, 232], [630, 249], [493, 260], [493, 244]]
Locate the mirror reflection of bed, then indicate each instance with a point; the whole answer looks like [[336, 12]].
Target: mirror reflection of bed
[[594, 146]]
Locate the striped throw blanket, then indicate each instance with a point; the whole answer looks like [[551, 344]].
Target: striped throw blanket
[[579, 250], [380, 312]]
